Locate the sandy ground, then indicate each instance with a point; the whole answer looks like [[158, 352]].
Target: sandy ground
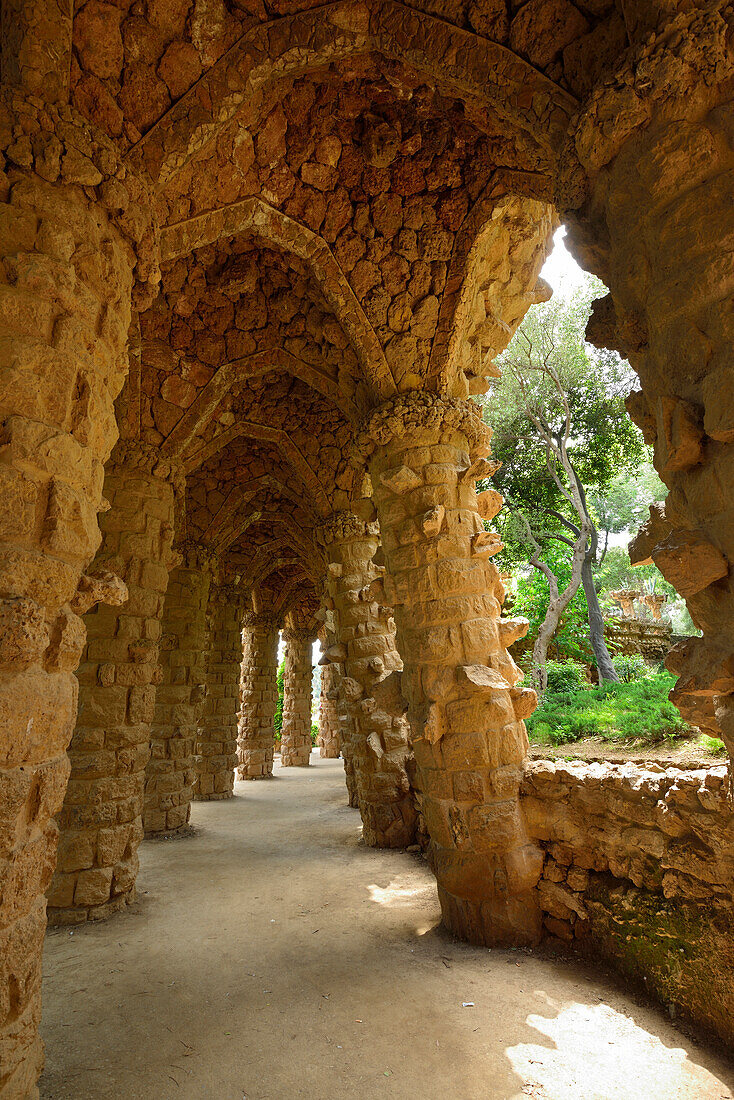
[[271, 956], [679, 754]]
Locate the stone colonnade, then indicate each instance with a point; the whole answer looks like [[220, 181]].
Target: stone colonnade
[[464, 703], [215, 751], [171, 773], [329, 740], [375, 737], [259, 697], [101, 821]]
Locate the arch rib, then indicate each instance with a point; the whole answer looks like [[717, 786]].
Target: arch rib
[[256, 218], [285, 48], [264, 434], [201, 410]]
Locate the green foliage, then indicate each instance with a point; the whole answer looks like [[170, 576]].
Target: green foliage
[[603, 439], [629, 667], [615, 572], [314, 733], [625, 503], [637, 711], [278, 718], [565, 676], [712, 745]]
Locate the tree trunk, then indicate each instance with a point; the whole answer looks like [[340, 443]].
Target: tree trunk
[[604, 664], [540, 660]]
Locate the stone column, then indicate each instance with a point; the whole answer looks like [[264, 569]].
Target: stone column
[[464, 707], [171, 772], [65, 301], [328, 716], [650, 178], [295, 740], [376, 733], [259, 697], [101, 822], [216, 741]]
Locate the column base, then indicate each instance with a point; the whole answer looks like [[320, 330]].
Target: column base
[[215, 796], [60, 918], [389, 825], [514, 921]]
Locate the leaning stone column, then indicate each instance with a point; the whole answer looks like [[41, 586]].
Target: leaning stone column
[[650, 178], [295, 740], [171, 772], [101, 823], [459, 681], [256, 738], [216, 740], [376, 734], [328, 717], [65, 299]]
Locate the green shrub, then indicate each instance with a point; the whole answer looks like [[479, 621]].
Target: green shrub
[[638, 710], [278, 717], [314, 733], [629, 667], [565, 676]]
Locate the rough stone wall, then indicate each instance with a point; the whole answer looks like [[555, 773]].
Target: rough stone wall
[[329, 747], [375, 733], [295, 741], [101, 821], [653, 640], [171, 773], [256, 735], [639, 867], [464, 703], [650, 177], [215, 750]]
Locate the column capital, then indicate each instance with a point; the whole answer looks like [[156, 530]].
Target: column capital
[[260, 620], [197, 555], [133, 454], [344, 526], [67, 149], [413, 415], [228, 593]]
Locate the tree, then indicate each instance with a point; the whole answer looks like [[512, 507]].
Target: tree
[[560, 430], [623, 505]]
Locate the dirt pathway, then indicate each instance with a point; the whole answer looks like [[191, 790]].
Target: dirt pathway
[[271, 957]]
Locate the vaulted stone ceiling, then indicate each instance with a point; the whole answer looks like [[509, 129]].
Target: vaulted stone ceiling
[[348, 211]]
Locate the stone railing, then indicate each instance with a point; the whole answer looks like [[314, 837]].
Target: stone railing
[[639, 869], [652, 639]]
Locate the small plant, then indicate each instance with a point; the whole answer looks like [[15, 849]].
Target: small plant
[[565, 676], [629, 667], [712, 745], [635, 711], [314, 733]]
